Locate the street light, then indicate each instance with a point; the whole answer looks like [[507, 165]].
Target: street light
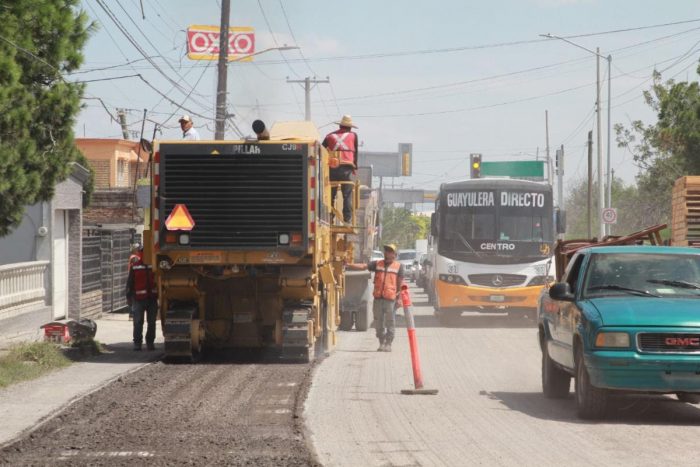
[[281, 49], [220, 122], [601, 191]]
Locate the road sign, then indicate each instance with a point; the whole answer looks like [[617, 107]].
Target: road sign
[[609, 216], [203, 42], [533, 170], [388, 164]]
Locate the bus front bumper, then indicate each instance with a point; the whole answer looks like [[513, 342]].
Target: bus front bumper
[[464, 296]]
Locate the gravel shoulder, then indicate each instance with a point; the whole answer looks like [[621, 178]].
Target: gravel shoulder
[[212, 413]]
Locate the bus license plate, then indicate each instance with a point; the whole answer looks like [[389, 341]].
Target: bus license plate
[[498, 298]]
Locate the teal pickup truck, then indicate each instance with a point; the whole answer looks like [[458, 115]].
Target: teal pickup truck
[[622, 319]]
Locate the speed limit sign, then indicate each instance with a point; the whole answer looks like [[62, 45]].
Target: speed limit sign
[[609, 216]]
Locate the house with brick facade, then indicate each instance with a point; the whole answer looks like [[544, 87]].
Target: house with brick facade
[[113, 220], [114, 161]]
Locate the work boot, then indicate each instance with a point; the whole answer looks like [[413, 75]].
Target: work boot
[[381, 346], [387, 347], [150, 346], [137, 346]]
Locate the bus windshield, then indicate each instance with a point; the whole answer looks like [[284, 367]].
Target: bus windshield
[[507, 223]]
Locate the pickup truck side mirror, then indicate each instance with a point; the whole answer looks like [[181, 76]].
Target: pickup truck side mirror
[[561, 291]]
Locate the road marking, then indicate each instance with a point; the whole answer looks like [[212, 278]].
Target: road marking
[[275, 411], [141, 454]]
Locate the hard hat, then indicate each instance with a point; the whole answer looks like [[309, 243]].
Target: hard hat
[[185, 118], [390, 246]]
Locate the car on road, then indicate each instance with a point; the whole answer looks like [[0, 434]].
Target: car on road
[[419, 269], [407, 258], [622, 319]]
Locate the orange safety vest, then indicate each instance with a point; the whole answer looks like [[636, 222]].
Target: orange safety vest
[[144, 282], [386, 280], [343, 142]]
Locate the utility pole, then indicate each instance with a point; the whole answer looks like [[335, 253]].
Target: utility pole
[[599, 149], [220, 124], [121, 114], [612, 174], [610, 171], [560, 176], [549, 161], [590, 182], [307, 92], [380, 215], [560, 181]]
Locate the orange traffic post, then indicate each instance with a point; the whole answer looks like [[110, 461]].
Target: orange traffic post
[[413, 344]]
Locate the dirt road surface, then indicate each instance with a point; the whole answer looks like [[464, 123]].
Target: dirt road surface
[[215, 413], [489, 411]]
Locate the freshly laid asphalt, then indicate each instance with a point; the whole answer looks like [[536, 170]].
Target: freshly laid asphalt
[[25, 405]]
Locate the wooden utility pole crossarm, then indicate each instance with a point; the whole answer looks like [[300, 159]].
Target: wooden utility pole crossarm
[[307, 92]]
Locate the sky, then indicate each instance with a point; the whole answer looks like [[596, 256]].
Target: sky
[[452, 77]]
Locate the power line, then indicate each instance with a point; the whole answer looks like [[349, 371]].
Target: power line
[[491, 45], [479, 107], [301, 53], [274, 40], [138, 47], [164, 96], [487, 78]]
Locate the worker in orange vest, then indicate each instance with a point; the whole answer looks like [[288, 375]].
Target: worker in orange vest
[[344, 142], [388, 278], [142, 297], [136, 254]]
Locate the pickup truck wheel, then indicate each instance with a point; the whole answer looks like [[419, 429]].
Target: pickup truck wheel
[[555, 381], [591, 401], [688, 397]]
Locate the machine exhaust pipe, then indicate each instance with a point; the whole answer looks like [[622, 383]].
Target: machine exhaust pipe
[[260, 130]]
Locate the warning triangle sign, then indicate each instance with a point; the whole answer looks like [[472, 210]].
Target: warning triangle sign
[[179, 219]]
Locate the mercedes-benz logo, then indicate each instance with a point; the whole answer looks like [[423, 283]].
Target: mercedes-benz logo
[[497, 280]]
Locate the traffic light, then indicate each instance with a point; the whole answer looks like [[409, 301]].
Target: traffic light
[[475, 165], [406, 164]]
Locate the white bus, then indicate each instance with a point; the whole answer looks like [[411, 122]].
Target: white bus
[[492, 244]]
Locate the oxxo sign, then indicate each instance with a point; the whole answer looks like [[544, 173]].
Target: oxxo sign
[[203, 42]]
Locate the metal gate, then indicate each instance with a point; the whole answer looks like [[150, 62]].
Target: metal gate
[[92, 264], [116, 247], [105, 265]]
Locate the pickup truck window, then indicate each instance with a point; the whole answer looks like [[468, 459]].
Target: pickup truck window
[[644, 274], [572, 273]]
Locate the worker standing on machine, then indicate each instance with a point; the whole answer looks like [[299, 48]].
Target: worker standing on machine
[[344, 142], [388, 277]]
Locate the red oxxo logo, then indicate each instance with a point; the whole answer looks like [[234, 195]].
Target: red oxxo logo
[[683, 341]]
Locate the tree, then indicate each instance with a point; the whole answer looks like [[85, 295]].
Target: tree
[[636, 209], [40, 42], [669, 148], [403, 228]]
